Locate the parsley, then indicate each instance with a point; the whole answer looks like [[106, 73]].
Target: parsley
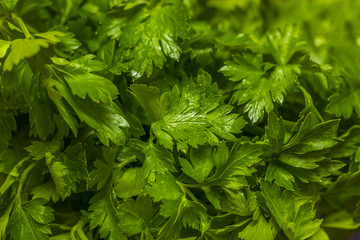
[[171, 119]]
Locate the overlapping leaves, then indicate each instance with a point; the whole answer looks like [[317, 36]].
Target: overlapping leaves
[[304, 149], [263, 83]]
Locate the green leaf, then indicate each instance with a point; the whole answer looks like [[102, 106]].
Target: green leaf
[[105, 119], [230, 173], [281, 176], [239, 202], [349, 144], [135, 215], [225, 124], [275, 132], [151, 35], [320, 235], [30, 220], [103, 171], [4, 46], [104, 214], [157, 160], [182, 122], [163, 186], [83, 83], [63, 107], [256, 90], [305, 226], [259, 228], [39, 150], [343, 189], [67, 169], [41, 118], [150, 100], [285, 76], [341, 220], [263, 84], [194, 117], [294, 217], [246, 66], [182, 213], [284, 42], [9, 4], [11, 164], [130, 183], [304, 149], [308, 132], [299, 161], [21, 49], [200, 165], [343, 104], [4, 220], [46, 191]]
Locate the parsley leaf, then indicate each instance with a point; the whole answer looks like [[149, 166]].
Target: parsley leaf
[[195, 111], [293, 217], [301, 151], [105, 119], [149, 34], [30, 220]]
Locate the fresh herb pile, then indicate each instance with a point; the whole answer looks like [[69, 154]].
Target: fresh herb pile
[[193, 119]]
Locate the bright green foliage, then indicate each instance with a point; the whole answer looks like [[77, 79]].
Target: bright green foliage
[[106, 118], [148, 33], [67, 168], [30, 220], [259, 228], [104, 214], [24, 48], [182, 213], [179, 119], [345, 101], [262, 83], [136, 216], [303, 150], [294, 217], [194, 112], [82, 82]]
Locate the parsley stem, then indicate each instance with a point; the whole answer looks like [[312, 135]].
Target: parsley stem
[[186, 191], [126, 162], [66, 12], [309, 102], [23, 178], [10, 178], [78, 228], [192, 185], [22, 26], [61, 226]]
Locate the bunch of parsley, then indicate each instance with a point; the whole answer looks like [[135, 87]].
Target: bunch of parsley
[[170, 119]]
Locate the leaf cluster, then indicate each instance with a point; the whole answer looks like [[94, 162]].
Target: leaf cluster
[[171, 119]]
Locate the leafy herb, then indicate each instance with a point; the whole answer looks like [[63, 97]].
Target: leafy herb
[[179, 119]]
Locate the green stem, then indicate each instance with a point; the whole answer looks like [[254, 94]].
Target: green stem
[[61, 226], [81, 234], [126, 162], [186, 191], [22, 26], [78, 229], [22, 180], [192, 185], [21, 184], [309, 102], [66, 12], [10, 178]]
